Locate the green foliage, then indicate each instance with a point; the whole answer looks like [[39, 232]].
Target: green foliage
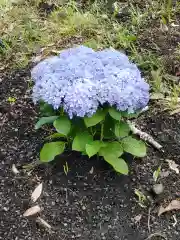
[[62, 125], [80, 141], [115, 114], [89, 136], [121, 129], [11, 100], [118, 164], [110, 149], [51, 150], [95, 119], [45, 120], [46, 109], [93, 148], [134, 146]]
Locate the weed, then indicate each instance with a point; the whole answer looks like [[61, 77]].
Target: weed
[[66, 168], [11, 100], [138, 18], [174, 102], [156, 173], [141, 198]]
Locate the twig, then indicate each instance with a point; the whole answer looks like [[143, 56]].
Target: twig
[[156, 235], [144, 109], [145, 136], [149, 218], [175, 220]]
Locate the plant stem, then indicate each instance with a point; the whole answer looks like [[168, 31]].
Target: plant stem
[[102, 131]]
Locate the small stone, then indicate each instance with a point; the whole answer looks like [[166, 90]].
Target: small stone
[[158, 188], [83, 208], [5, 209]]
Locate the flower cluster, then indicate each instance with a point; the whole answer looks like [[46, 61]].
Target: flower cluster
[[80, 80]]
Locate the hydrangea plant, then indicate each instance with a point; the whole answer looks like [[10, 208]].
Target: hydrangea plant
[[89, 96]]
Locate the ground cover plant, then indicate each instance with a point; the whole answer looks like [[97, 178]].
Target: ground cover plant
[[77, 197]]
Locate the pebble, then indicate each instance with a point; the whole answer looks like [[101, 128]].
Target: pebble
[[83, 208], [5, 209], [158, 188]]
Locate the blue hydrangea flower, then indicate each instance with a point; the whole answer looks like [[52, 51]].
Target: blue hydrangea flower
[[80, 80]]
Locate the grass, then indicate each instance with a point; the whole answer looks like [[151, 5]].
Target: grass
[[25, 30]]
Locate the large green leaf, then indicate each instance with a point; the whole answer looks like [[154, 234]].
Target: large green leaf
[[50, 150], [134, 146], [114, 149], [93, 148], [95, 119], [62, 125], [45, 120], [121, 129], [118, 164], [80, 141], [115, 114]]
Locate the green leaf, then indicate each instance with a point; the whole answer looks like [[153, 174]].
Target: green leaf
[[93, 148], [118, 164], [95, 119], [114, 149], [156, 173], [45, 120], [121, 129], [115, 114], [50, 150], [55, 135], [46, 109], [134, 146], [62, 125], [80, 141]]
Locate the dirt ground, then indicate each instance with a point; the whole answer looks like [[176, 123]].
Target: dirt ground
[[84, 204]]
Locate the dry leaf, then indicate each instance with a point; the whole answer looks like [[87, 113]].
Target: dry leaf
[[174, 205], [137, 218], [43, 223], [173, 166], [32, 211], [174, 25], [37, 192], [92, 170], [14, 169], [164, 174]]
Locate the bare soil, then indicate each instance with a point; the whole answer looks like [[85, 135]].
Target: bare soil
[[84, 204]]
